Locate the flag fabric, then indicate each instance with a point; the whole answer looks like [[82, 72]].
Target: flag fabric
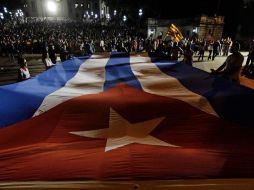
[[175, 33], [125, 117]]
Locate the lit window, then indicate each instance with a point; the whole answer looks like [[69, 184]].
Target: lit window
[[88, 5], [76, 5], [82, 5], [195, 29]]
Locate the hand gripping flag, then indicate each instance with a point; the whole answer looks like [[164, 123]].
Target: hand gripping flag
[[122, 117]]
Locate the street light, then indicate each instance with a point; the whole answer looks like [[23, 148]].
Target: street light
[[115, 12], [140, 12], [2, 16], [51, 6], [19, 13], [108, 16], [124, 18], [5, 10], [95, 16]]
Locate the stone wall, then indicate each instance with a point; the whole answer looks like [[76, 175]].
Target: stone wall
[[209, 28]]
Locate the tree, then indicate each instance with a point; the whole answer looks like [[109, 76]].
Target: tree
[[13, 4]]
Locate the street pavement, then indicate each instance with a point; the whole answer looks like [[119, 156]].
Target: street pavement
[[9, 71], [208, 65], [219, 60]]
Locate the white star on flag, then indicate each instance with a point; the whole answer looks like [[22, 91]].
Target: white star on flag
[[121, 133]]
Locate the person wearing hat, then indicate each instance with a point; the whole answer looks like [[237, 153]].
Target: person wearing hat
[[231, 68]]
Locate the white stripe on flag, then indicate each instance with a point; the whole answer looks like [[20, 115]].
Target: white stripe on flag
[[88, 80], [156, 82]]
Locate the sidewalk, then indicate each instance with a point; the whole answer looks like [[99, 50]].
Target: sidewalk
[[9, 71], [208, 65]]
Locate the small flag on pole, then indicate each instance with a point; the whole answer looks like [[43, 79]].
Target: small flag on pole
[[175, 33]]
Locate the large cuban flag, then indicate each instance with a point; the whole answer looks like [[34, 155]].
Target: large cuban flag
[[125, 117]]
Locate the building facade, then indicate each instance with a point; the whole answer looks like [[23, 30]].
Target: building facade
[[73, 9], [202, 27]]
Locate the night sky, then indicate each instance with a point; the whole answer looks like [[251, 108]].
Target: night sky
[[232, 10], [238, 13], [235, 11], [180, 8]]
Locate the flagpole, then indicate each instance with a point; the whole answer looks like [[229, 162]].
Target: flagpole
[[218, 8]]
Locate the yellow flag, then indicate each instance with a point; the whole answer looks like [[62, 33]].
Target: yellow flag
[[175, 32]]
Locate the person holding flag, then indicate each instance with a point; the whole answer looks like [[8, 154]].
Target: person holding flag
[[231, 68]]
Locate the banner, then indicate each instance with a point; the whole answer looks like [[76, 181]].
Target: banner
[[125, 117], [175, 33]]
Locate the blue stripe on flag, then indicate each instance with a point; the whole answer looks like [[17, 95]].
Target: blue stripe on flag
[[19, 101], [231, 101], [118, 71]]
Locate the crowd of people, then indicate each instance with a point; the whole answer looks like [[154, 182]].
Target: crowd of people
[[73, 37], [68, 38]]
